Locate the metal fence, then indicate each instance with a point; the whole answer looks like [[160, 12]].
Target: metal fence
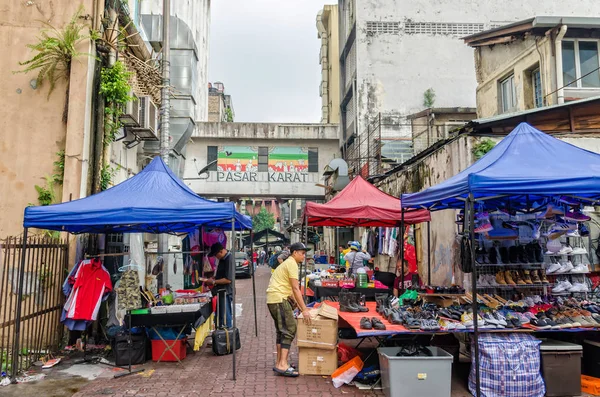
[[39, 330]]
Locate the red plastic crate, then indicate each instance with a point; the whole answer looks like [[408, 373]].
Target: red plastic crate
[[177, 351]]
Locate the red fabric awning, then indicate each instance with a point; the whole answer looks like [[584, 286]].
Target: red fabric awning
[[361, 204]]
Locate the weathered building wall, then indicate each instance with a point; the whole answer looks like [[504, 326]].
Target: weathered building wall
[[216, 107], [495, 63], [32, 130], [244, 138], [404, 47], [328, 32]]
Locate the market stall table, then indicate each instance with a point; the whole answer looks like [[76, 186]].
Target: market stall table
[[182, 319]]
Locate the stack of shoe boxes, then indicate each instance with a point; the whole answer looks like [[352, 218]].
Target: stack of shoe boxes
[[317, 342]]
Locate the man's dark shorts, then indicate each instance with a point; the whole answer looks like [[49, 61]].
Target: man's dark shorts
[[285, 323]]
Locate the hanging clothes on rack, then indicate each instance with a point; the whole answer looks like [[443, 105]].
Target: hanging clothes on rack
[[128, 291], [92, 284]]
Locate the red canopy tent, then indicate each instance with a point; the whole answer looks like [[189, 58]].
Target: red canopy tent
[[361, 204]]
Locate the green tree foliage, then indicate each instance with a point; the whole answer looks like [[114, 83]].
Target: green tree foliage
[[429, 98], [482, 147], [115, 88], [263, 220]]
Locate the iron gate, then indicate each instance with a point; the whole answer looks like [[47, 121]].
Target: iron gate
[[46, 266]]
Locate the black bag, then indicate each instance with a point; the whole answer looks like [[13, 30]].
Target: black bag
[[222, 338], [222, 341], [122, 351]]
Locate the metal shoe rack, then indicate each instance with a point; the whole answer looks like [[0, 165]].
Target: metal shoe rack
[[510, 264]]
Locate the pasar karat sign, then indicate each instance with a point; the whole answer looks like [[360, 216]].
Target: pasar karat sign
[[276, 164]]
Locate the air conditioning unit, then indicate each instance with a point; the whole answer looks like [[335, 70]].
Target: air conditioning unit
[[131, 114], [148, 128]]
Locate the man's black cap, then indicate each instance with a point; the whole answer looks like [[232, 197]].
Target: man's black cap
[[215, 248], [298, 247]]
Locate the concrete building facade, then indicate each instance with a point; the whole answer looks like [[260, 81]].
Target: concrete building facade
[[329, 55], [220, 105], [392, 52], [239, 160], [536, 62]]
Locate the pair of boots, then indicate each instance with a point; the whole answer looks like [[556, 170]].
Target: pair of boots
[[521, 277], [350, 302]]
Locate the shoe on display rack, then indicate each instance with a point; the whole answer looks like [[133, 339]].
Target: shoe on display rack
[[566, 250], [543, 277], [500, 279], [535, 277], [365, 323], [579, 251], [526, 277], [581, 268], [377, 324], [562, 287], [553, 268], [565, 267], [576, 216], [579, 287], [509, 278], [583, 230], [484, 227], [517, 277]]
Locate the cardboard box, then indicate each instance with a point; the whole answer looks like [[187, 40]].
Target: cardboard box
[[322, 333], [317, 361]]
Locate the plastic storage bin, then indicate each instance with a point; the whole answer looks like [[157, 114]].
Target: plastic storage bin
[[561, 368], [177, 351], [415, 376], [591, 358]]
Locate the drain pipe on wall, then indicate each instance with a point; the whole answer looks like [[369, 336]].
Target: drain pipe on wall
[[560, 92]]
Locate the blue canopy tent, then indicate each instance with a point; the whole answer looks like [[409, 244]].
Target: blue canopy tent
[[527, 165], [153, 201], [525, 168]]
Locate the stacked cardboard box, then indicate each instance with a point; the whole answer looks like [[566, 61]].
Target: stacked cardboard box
[[317, 342]]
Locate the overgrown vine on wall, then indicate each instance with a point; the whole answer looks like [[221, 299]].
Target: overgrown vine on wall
[[107, 174], [481, 148], [59, 167], [115, 88]]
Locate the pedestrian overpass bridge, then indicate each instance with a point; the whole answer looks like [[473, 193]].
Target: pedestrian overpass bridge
[[237, 160]]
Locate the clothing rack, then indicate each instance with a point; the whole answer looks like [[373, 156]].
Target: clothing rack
[[145, 252]]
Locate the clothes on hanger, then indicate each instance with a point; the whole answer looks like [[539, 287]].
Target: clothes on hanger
[[92, 284], [128, 291]]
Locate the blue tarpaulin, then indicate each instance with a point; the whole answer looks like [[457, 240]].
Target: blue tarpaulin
[[153, 201], [527, 165]]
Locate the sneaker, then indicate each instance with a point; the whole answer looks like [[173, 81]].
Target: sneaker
[[561, 287], [555, 234], [576, 216], [566, 250], [583, 230], [484, 227], [491, 280], [573, 233], [539, 323], [579, 287], [551, 211], [566, 267], [553, 268], [581, 268], [579, 251], [467, 319]]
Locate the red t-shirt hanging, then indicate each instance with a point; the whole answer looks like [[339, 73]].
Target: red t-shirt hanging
[[91, 283]]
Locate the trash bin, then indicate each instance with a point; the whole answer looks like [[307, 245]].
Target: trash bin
[[591, 358], [415, 376], [561, 368]]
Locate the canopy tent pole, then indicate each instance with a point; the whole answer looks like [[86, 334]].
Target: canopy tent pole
[[401, 284], [15, 365], [305, 259], [429, 253], [233, 292], [253, 283], [470, 212], [337, 245]]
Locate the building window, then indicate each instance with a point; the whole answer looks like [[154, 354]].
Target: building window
[[313, 159], [536, 83], [580, 64], [508, 95], [212, 157], [263, 159]]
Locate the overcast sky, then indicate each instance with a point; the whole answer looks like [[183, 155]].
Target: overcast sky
[[266, 52]]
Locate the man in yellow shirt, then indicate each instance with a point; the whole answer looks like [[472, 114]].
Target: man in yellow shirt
[[283, 286]]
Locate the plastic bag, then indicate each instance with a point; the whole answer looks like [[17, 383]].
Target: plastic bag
[[346, 353], [347, 372]]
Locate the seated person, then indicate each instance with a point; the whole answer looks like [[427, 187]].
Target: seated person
[[405, 282]]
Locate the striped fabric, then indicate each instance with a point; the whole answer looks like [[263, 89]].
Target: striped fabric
[[509, 366]]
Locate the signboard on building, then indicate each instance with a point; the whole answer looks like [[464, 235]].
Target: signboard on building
[[258, 163]]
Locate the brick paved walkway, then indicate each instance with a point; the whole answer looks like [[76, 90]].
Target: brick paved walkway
[[203, 373]]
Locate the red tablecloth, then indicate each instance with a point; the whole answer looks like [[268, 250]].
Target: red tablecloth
[[353, 319]]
